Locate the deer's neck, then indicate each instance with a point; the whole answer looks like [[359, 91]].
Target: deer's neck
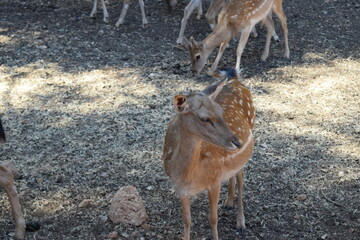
[[220, 34], [186, 154]]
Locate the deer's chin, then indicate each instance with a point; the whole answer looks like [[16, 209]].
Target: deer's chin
[[232, 148]]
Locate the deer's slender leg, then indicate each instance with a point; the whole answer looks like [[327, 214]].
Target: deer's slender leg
[[270, 28], [200, 11], [213, 206], [105, 12], [242, 43], [94, 10], [231, 193], [7, 182], [144, 20], [240, 219], [218, 57], [123, 13], [187, 12], [186, 216], [278, 9]]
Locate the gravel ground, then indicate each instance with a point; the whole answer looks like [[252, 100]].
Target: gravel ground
[[85, 105]]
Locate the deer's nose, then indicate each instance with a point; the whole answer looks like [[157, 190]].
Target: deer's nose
[[194, 72], [236, 142]]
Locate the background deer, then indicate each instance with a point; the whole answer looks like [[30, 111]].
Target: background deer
[[7, 183], [123, 12], [212, 12], [209, 141], [238, 17]]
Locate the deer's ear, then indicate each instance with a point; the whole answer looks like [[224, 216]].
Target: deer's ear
[[185, 44], [218, 89], [193, 42], [180, 103]]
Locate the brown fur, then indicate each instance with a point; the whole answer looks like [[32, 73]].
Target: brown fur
[[238, 17], [195, 165], [7, 183]]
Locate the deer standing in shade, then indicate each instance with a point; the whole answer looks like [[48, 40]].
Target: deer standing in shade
[[123, 12], [238, 17]]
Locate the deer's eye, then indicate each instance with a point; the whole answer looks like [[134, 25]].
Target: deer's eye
[[206, 120], [197, 57]]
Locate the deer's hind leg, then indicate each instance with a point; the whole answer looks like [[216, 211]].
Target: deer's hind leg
[[231, 193], [240, 219]]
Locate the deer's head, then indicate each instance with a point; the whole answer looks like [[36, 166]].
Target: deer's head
[[202, 117], [198, 54]]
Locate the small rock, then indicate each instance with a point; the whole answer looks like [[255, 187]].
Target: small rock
[[59, 179], [42, 47], [103, 218], [301, 197], [104, 174], [113, 235], [145, 226], [152, 106], [45, 168], [85, 203], [39, 180], [127, 206], [297, 216], [32, 226], [324, 236], [125, 235]]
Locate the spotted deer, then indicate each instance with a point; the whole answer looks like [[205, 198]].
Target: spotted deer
[[209, 141], [123, 12], [238, 17], [7, 183]]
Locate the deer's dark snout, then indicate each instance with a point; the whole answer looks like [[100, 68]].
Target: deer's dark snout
[[234, 140]]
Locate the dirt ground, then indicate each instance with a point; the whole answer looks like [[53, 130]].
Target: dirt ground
[[85, 105]]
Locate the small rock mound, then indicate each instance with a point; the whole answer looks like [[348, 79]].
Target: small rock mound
[[127, 206]]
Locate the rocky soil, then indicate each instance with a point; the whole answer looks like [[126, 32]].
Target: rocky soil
[[85, 105]]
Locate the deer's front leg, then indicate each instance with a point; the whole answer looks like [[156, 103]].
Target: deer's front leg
[[231, 193], [187, 12], [106, 14], [186, 216], [123, 13], [7, 182], [270, 29], [240, 220], [144, 20], [200, 11], [242, 43], [213, 206], [218, 56], [94, 10]]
